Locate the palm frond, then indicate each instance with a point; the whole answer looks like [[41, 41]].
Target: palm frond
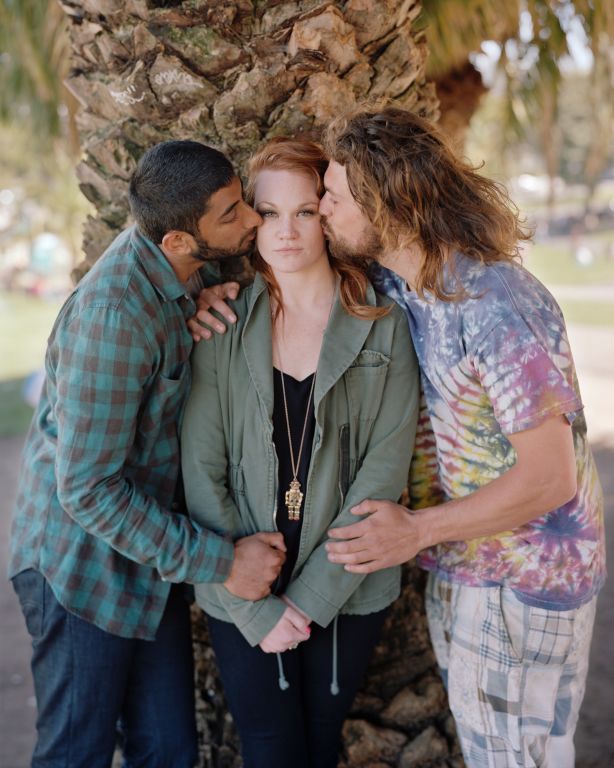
[[34, 60]]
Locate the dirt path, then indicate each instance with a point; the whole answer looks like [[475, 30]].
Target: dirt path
[[594, 355]]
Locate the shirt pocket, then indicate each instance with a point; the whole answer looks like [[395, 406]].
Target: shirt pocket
[[366, 379], [163, 408]]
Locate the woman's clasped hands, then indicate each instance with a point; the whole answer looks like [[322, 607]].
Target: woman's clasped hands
[[292, 628]]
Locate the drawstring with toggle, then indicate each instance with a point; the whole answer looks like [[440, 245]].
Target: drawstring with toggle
[[334, 685], [283, 682]]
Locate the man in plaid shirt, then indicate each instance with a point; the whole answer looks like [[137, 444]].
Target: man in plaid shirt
[[99, 537]]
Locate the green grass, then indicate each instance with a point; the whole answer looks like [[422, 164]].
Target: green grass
[[554, 264], [15, 414], [26, 322], [588, 313]]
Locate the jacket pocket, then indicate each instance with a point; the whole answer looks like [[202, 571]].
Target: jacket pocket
[[344, 460], [236, 480], [245, 522], [366, 379], [370, 358]]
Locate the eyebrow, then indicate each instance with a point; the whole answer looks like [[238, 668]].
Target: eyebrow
[[300, 205]]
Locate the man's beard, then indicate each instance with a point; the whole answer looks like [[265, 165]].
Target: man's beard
[[204, 252], [363, 254]]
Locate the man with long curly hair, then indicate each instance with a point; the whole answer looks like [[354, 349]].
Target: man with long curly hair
[[507, 512]]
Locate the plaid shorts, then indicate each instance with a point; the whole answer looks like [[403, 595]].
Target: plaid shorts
[[515, 673]]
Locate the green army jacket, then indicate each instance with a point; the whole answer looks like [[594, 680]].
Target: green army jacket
[[366, 406]]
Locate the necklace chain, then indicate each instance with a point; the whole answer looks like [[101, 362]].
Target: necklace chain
[[294, 495]]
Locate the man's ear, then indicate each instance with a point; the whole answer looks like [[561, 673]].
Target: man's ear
[[178, 243]]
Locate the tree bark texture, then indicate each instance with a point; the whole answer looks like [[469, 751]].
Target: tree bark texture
[[459, 92], [233, 75], [227, 74]]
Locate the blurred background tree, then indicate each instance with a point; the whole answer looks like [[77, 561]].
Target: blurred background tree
[[38, 138]]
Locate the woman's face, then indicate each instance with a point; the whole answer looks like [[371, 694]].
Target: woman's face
[[290, 238]]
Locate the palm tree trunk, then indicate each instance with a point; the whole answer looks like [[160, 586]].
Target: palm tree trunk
[[459, 92], [233, 75]]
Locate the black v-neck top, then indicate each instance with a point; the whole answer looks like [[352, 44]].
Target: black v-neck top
[[297, 396]]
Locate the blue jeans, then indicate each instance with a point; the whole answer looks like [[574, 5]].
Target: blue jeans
[[299, 727], [88, 681]]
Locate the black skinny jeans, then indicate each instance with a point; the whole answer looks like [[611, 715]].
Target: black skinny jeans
[[299, 727]]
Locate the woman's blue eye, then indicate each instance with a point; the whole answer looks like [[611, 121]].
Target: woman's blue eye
[[307, 212], [266, 214]]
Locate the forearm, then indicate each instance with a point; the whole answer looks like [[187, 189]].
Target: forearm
[[135, 524], [542, 479], [322, 588], [503, 505]]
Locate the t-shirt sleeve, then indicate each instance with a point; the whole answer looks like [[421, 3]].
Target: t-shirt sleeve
[[525, 366]]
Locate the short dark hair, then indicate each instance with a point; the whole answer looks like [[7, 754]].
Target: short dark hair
[[172, 184]]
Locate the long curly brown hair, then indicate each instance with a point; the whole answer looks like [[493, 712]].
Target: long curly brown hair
[[307, 157], [414, 189]]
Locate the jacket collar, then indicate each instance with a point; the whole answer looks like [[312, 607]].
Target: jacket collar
[[344, 337], [257, 342]]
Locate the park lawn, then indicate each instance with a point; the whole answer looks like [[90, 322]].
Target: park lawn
[[15, 413], [598, 313], [26, 322], [553, 263]]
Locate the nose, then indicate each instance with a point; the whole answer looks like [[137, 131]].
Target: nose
[[287, 230], [324, 208], [251, 217]]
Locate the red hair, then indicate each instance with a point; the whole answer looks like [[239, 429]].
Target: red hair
[[308, 158]]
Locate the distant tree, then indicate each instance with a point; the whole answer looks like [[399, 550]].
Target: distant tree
[[34, 62], [535, 40]]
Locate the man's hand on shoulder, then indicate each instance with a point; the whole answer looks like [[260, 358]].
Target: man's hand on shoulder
[[213, 298], [257, 563], [388, 535]]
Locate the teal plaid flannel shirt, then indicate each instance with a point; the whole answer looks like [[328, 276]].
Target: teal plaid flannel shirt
[[96, 510]]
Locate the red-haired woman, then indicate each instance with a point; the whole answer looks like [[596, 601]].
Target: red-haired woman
[[306, 406]]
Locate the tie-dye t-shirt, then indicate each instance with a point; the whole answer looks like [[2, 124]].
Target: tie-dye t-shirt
[[495, 363]]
